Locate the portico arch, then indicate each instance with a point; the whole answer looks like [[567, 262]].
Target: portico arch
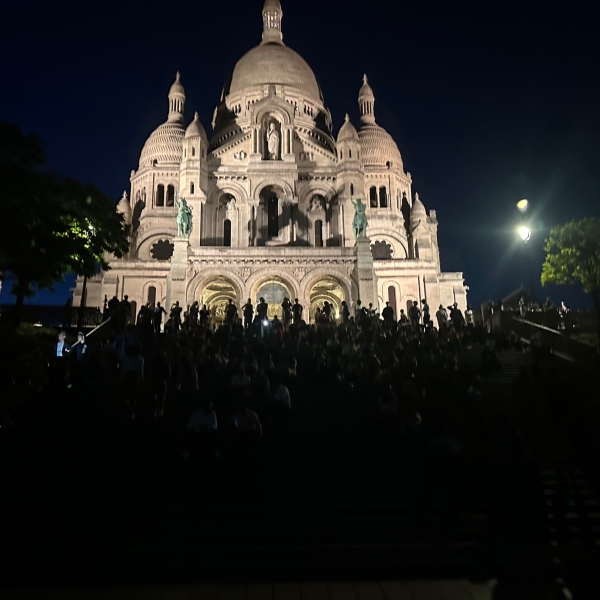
[[264, 276], [215, 291], [322, 285], [203, 278]]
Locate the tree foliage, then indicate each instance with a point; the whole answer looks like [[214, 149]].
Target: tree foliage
[[573, 256], [50, 225]]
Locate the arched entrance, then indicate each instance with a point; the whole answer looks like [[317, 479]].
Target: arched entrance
[[216, 295], [326, 289], [274, 290]]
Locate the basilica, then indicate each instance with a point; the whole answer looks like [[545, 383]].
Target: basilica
[[271, 198]]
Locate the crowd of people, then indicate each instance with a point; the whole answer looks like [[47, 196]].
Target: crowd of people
[[237, 377]]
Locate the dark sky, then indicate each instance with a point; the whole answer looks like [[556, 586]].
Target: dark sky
[[489, 102]]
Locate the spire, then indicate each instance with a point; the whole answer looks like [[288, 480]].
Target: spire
[[272, 15], [366, 102], [176, 100]]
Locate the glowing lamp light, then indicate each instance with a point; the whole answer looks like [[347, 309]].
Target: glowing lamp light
[[525, 233], [522, 205]]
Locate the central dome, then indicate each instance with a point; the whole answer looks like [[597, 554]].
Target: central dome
[[274, 64]]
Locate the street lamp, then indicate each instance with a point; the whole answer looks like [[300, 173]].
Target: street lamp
[[525, 235]]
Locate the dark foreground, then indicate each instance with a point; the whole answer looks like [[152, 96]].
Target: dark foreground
[[92, 497]]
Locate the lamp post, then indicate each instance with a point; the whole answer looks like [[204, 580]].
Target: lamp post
[[525, 235]]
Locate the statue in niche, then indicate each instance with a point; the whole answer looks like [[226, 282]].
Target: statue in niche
[[184, 218], [316, 203], [359, 223], [273, 142]]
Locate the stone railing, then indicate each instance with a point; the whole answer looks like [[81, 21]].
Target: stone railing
[[555, 341]]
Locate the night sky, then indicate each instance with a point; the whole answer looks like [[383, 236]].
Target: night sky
[[489, 102]]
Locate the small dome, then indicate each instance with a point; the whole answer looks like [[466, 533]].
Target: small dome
[[177, 88], [195, 129], [276, 64], [124, 208], [417, 212], [347, 131], [378, 147], [164, 145]]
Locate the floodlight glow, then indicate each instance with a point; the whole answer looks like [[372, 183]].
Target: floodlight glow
[[522, 205], [525, 233]]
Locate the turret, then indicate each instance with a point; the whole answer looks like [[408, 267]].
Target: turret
[[350, 174], [193, 170], [176, 100]]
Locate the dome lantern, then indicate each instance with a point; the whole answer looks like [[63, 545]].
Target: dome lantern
[[272, 16], [176, 100], [366, 102]]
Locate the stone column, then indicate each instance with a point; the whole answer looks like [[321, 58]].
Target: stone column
[[364, 273], [177, 277]]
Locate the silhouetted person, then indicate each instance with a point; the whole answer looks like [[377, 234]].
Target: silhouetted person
[[157, 317], [286, 311], [175, 316], [59, 360], [414, 314], [297, 309], [204, 316], [345, 312], [248, 312], [388, 314]]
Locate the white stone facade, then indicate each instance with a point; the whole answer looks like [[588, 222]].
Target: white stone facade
[[271, 195]]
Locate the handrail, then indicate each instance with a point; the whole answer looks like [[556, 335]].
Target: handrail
[[93, 330], [558, 342], [550, 330]]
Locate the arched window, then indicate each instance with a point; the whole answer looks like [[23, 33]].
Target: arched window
[[160, 195], [392, 299], [191, 187], [416, 249], [373, 197], [352, 189], [319, 234], [272, 216], [383, 197], [227, 232], [349, 153], [341, 154], [193, 150], [170, 195], [152, 295]]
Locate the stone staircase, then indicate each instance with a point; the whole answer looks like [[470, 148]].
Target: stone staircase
[[326, 498]]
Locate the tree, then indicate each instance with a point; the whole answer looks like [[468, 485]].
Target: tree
[[50, 225], [573, 256]]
